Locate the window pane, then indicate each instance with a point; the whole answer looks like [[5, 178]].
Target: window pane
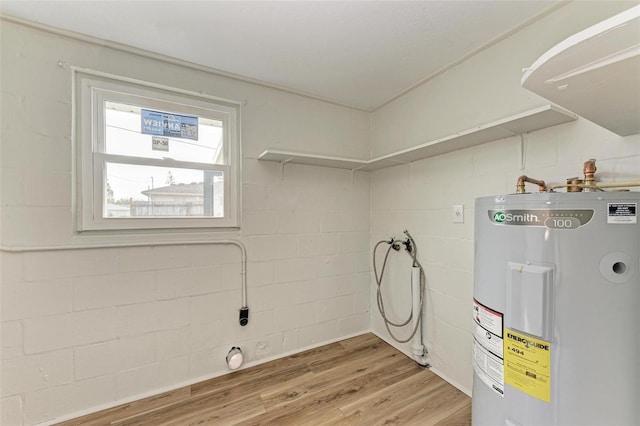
[[134, 131], [144, 191]]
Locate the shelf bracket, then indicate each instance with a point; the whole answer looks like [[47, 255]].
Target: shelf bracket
[[353, 172], [282, 163]]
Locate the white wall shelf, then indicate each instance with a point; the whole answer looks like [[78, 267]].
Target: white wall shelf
[[536, 119], [595, 73], [311, 159]]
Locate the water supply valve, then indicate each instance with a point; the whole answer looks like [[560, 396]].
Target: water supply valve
[[394, 244]]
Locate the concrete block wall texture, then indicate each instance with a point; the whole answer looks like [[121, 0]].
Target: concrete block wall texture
[[419, 196], [84, 329]]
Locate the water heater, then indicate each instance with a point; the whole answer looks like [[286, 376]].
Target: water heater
[[557, 309]]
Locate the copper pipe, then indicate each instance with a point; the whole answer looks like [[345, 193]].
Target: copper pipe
[[573, 184], [520, 189], [598, 187], [589, 170]]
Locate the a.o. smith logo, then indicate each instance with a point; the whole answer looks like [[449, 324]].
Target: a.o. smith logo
[[515, 217], [499, 217], [555, 219]]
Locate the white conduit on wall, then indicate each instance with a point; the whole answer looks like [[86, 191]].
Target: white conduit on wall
[[243, 270], [418, 349]]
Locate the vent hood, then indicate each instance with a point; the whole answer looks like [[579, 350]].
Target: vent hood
[[595, 73]]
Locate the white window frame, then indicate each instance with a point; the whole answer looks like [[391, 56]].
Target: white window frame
[[91, 90]]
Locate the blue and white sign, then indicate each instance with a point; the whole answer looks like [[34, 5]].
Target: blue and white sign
[[166, 124]]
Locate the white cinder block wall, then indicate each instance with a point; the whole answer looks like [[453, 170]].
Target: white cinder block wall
[[419, 197], [86, 328]]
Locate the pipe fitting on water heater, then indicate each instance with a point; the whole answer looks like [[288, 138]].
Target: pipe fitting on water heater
[[575, 184], [589, 170]]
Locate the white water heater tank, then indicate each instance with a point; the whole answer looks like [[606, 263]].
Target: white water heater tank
[[557, 309]]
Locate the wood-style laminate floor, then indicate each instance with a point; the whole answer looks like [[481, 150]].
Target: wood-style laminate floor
[[358, 381]]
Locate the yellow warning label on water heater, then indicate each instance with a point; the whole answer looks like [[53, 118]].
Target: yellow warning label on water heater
[[527, 364]]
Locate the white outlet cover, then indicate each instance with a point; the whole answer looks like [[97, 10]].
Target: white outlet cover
[[458, 214]]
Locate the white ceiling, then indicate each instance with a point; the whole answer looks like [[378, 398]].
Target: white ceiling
[[355, 53]]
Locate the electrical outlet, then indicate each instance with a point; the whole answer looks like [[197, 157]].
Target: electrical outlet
[[458, 214]]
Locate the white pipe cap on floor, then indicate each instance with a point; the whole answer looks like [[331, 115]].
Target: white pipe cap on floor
[[235, 358]]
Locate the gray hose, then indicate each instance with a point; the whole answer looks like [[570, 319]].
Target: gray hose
[[412, 249]]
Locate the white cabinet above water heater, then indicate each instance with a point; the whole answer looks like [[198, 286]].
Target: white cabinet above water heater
[[557, 309], [595, 73]]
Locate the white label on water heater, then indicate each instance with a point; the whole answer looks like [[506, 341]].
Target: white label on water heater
[[622, 213], [488, 357], [489, 368]]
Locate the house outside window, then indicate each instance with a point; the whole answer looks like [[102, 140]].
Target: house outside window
[[151, 157]]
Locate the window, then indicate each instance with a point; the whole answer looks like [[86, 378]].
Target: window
[[152, 157]]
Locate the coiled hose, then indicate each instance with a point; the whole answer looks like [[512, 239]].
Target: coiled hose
[[412, 249]]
